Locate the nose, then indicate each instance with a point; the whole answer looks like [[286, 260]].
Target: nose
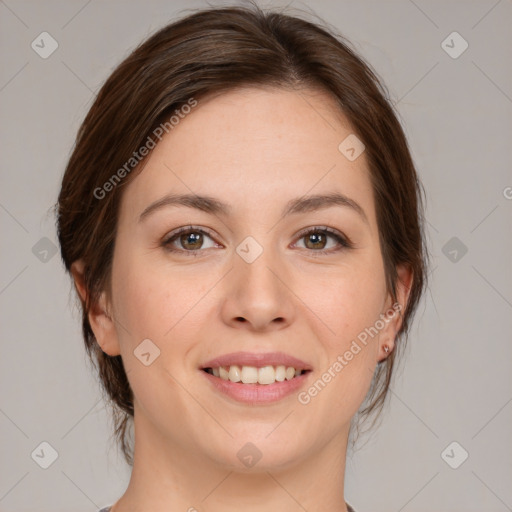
[[258, 296]]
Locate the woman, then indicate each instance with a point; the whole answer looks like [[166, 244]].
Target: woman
[[243, 223]]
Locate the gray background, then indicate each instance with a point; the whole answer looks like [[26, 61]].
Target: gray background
[[456, 383]]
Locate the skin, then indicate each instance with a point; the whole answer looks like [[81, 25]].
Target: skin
[[254, 149]]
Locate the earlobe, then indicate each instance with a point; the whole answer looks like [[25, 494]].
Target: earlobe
[[100, 320], [396, 311]]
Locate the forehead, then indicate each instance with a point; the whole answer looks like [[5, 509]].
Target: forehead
[[250, 146]]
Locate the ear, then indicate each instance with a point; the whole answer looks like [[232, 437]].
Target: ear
[[394, 311], [101, 321]]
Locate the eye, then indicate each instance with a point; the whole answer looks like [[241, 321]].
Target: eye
[[190, 239], [316, 239]]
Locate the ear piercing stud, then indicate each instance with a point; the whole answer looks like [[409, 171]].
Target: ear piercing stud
[[386, 349]]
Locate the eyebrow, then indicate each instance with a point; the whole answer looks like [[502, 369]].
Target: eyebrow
[[211, 205]]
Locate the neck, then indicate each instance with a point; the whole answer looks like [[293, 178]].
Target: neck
[[171, 476]]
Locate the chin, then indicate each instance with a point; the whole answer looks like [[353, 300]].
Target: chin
[[257, 453]]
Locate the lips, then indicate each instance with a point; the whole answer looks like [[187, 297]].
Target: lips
[[258, 360], [256, 378]]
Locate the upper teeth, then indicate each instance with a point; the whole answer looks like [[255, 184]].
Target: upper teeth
[[253, 375]]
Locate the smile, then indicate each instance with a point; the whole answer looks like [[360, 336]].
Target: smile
[[265, 375], [256, 378]]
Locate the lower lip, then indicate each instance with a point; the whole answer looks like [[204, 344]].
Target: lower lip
[[257, 393]]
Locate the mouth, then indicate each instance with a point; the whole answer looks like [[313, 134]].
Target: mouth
[[256, 378], [263, 376]]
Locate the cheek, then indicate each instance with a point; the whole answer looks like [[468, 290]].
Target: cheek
[[349, 302], [350, 309], [156, 300], [349, 305]]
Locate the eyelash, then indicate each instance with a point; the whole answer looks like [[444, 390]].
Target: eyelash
[[343, 241]]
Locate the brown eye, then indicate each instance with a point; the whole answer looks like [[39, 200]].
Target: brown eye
[[192, 240], [317, 239], [187, 240]]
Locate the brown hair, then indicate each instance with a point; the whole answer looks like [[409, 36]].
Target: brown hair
[[213, 51]]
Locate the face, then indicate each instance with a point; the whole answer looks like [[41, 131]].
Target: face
[[260, 276]]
